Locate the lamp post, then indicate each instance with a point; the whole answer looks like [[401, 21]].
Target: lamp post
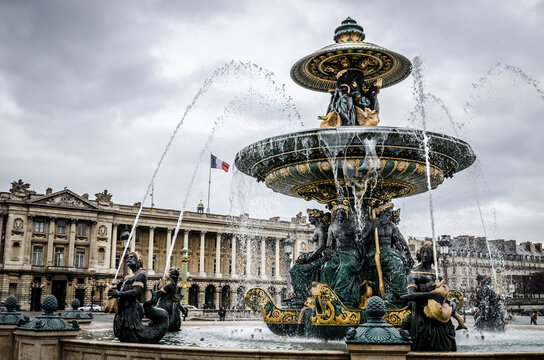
[[444, 248], [124, 238], [463, 289], [288, 248]]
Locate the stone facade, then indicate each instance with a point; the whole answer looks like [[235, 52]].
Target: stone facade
[[65, 244]]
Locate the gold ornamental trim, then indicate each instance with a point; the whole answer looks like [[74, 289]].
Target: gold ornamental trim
[[258, 299], [324, 191], [354, 162], [329, 309], [395, 317]]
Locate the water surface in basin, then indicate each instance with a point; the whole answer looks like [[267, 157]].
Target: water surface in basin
[[257, 336]]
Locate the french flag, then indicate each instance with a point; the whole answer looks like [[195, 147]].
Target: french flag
[[219, 164]]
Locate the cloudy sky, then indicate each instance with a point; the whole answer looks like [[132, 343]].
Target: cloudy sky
[[91, 92]]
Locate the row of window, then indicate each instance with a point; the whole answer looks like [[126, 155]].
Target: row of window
[[39, 227], [58, 259]]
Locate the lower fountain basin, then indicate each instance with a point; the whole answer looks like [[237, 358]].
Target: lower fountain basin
[[312, 164], [256, 336]]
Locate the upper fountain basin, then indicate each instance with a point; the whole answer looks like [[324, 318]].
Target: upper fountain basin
[[314, 164]]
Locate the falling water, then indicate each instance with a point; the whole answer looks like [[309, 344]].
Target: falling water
[[237, 104], [221, 73], [496, 70], [420, 97]]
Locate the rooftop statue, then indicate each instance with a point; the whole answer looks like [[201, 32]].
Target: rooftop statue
[[127, 323]]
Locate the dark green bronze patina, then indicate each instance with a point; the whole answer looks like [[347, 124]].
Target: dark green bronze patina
[[75, 314], [12, 317], [49, 321], [376, 330], [169, 299], [356, 168], [127, 324]]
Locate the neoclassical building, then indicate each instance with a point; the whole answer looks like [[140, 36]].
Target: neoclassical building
[[68, 245]]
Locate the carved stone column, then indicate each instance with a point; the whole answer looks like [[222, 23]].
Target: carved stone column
[[133, 241], [50, 238], [113, 245], [218, 255], [186, 239], [185, 252], [277, 260], [201, 296], [93, 250], [150, 269], [248, 257], [202, 271], [168, 244], [233, 257], [296, 245], [28, 241], [263, 258], [72, 242], [216, 298]]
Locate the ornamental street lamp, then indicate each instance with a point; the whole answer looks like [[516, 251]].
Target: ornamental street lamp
[[444, 248], [124, 238], [288, 248]]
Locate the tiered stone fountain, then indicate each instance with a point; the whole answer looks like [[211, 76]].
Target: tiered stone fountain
[[353, 165]]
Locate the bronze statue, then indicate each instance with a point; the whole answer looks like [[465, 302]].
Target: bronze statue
[[388, 260], [353, 102], [490, 313], [430, 322], [169, 299], [127, 323], [307, 267], [342, 269]]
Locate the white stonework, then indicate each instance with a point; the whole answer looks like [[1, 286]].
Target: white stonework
[[68, 245]]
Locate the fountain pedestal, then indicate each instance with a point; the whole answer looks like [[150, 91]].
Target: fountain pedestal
[[40, 338]]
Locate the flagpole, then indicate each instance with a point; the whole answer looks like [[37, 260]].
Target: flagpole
[[209, 184]]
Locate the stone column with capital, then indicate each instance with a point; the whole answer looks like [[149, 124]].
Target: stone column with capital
[[168, 242], [133, 241], [50, 239], [93, 250], [113, 246], [71, 244], [277, 260], [263, 258], [202, 271], [201, 297], [185, 249], [248, 257], [149, 268], [216, 298], [218, 255], [28, 241], [184, 273], [233, 256]]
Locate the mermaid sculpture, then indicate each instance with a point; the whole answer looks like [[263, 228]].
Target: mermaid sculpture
[[429, 324], [169, 299], [127, 323]]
